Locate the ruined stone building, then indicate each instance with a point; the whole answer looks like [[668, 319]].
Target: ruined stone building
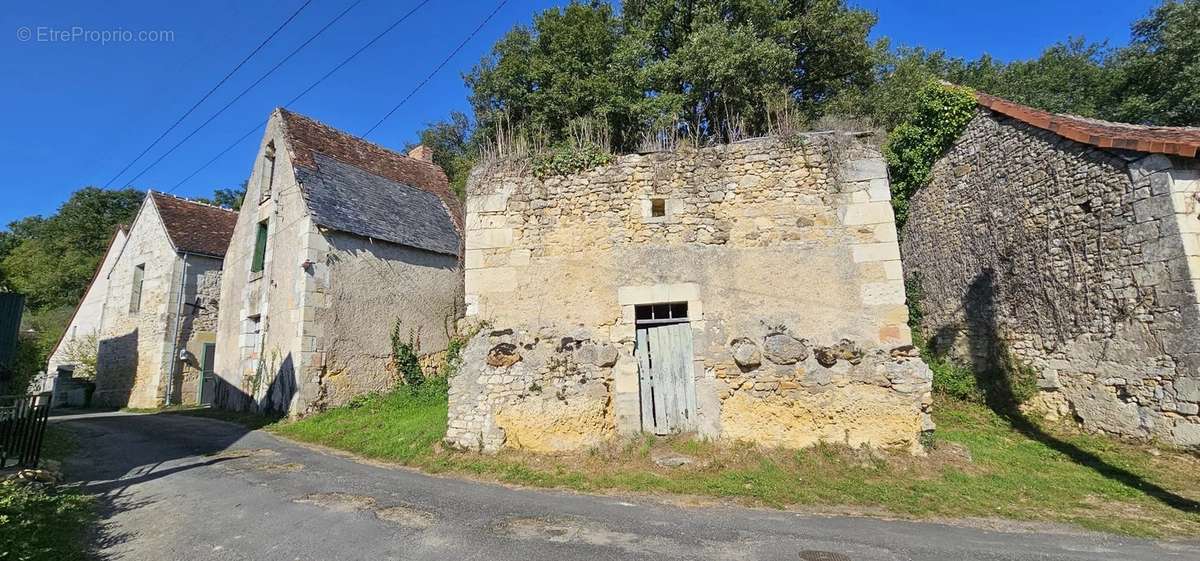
[[339, 245], [1071, 246], [751, 292], [157, 323]]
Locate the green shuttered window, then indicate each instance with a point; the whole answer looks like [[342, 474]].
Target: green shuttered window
[[260, 248]]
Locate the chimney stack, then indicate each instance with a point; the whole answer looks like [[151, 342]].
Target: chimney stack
[[421, 152]]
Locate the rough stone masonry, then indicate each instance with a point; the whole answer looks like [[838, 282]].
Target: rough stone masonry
[[1078, 261], [780, 257]]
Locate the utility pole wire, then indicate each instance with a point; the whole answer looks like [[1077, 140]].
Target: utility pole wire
[[210, 92], [245, 91], [437, 69], [316, 83]]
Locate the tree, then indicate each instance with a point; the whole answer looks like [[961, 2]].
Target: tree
[[1159, 72], [53, 258], [228, 197], [703, 67], [453, 148]]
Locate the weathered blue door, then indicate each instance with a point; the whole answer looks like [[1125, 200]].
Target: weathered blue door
[[666, 381], [208, 379]]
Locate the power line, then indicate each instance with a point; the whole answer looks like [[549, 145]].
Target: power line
[[210, 92], [310, 87], [246, 90], [437, 69]]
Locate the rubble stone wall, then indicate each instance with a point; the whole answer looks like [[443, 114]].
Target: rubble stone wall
[[1078, 261], [784, 250]]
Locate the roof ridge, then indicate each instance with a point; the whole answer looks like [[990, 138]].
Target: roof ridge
[[352, 137], [187, 200], [1154, 139]]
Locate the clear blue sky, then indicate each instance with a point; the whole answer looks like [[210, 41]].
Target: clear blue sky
[[75, 111]]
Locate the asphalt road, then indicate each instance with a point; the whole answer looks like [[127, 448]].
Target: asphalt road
[[183, 488]]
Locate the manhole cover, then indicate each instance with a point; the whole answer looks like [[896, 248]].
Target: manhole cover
[[822, 556]]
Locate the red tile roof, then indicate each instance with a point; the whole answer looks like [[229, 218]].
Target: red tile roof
[[1175, 141], [195, 227], [309, 137]]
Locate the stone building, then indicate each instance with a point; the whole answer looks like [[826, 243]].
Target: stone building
[[751, 291], [157, 324], [1073, 247], [340, 243], [82, 335]]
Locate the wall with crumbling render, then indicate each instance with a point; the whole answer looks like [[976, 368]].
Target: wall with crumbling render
[[1079, 261], [784, 249]]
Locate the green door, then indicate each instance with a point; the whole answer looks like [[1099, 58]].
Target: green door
[[208, 380]]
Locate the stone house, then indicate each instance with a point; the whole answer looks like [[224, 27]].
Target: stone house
[[82, 334], [1071, 246], [751, 292], [339, 245], [157, 323]]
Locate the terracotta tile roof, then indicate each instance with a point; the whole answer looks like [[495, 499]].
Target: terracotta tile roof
[[195, 227], [309, 137], [1175, 141]]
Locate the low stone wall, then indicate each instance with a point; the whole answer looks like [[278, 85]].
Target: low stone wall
[[758, 240], [1073, 260]]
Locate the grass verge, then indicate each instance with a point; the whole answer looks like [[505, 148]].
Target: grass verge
[[49, 523], [981, 467]]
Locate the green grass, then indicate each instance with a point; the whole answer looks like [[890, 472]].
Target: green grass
[[46, 522], [981, 466]]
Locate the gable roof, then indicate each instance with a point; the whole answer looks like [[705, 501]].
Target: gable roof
[[195, 227], [354, 186], [1175, 141]]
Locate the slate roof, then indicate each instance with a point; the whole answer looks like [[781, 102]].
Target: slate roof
[[354, 186], [195, 227], [1175, 141]]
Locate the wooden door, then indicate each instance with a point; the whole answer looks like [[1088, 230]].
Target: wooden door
[[208, 379], [666, 382]]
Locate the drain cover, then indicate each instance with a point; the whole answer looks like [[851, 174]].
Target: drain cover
[[822, 556]]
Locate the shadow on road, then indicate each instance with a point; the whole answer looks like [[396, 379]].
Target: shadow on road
[[117, 451]]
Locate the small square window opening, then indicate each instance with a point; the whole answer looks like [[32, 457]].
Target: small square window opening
[[658, 208]]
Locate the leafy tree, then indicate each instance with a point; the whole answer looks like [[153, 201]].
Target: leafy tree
[[453, 149], [704, 67], [228, 197], [54, 258], [1159, 72]]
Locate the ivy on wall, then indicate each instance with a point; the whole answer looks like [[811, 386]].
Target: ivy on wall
[[939, 117]]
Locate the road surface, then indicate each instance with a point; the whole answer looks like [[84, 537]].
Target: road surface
[[187, 488]]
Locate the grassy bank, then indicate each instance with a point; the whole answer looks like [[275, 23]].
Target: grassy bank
[[46, 523], [982, 466]]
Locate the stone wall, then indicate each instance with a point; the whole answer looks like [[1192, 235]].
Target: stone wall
[[765, 240], [313, 329], [367, 287], [133, 345], [199, 325], [1072, 260]]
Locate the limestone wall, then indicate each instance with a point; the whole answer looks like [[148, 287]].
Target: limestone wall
[[262, 314], [202, 301], [365, 288], [133, 344], [769, 242], [1073, 259]]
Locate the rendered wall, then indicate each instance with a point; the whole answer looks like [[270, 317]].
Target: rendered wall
[[770, 242], [1079, 262]]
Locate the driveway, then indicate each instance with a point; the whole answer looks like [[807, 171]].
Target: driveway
[[178, 487]]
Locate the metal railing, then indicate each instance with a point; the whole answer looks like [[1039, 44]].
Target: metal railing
[[22, 427]]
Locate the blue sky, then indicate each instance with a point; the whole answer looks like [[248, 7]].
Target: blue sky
[[76, 109]]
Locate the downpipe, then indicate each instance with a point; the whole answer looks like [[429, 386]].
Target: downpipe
[[177, 362]]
